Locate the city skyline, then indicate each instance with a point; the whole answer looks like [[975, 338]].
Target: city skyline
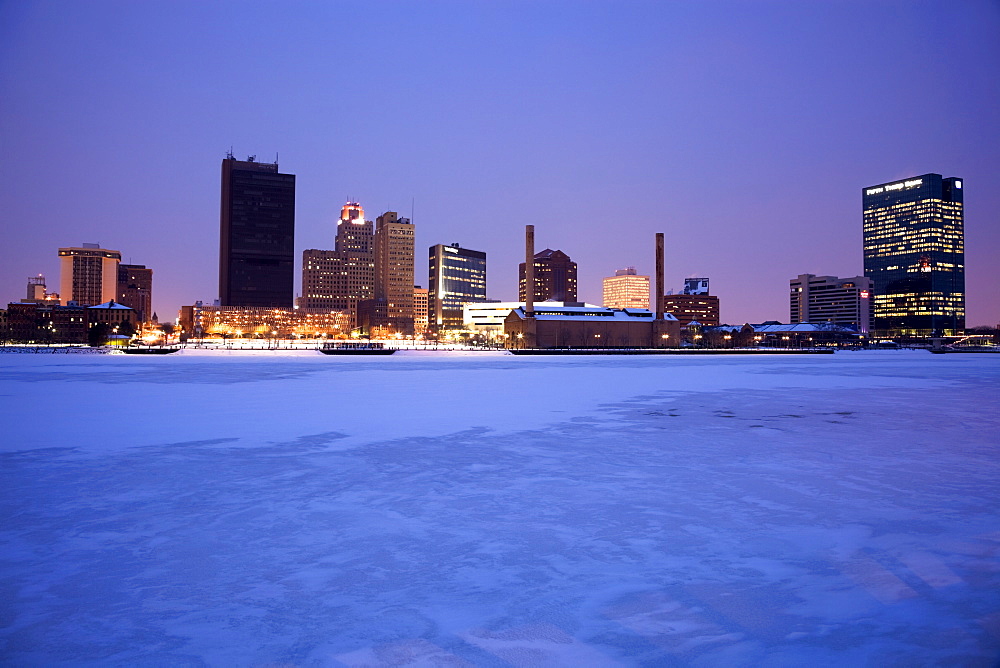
[[746, 141]]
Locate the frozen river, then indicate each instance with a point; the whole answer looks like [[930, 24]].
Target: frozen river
[[452, 509]]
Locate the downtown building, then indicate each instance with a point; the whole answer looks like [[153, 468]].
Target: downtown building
[[626, 289], [257, 322], [842, 301], [914, 254], [421, 310], [457, 277], [694, 304], [555, 277], [257, 235], [392, 309], [88, 274], [37, 292], [339, 279], [135, 290]]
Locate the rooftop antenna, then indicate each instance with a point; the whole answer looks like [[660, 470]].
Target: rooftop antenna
[[412, 204], [275, 157]]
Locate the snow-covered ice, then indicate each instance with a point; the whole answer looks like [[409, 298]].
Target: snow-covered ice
[[450, 509]]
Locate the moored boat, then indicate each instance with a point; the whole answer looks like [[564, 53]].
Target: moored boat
[[355, 348]]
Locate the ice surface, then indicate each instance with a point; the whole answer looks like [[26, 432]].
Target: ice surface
[[450, 509]]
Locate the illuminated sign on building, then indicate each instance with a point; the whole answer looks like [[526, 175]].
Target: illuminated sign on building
[[901, 185]]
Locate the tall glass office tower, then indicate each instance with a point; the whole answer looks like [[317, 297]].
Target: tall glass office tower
[[457, 277], [914, 248]]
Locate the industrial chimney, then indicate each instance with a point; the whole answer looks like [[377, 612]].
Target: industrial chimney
[[659, 276]]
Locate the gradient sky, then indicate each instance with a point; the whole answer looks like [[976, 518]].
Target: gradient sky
[[745, 131]]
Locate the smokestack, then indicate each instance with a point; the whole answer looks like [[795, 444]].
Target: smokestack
[[529, 270], [659, 276]]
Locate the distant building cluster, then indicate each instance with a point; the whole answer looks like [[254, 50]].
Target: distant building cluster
[[95, 288], [913, 282]]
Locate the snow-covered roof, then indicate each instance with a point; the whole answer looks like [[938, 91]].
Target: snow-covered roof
[[801, 327], [593, 313], [510, 306], [111, 305]]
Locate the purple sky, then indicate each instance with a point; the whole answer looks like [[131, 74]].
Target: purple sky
[[743, 130]]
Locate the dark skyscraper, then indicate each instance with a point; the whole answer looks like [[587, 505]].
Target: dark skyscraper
[[914, 252], [555, 277], [257, 241], [457, 277]]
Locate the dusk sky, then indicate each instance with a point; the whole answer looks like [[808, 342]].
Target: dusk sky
[[745, 131]]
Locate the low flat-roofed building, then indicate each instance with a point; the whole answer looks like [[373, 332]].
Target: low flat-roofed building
[[46, 322], [199, 321], [693, 307], [584, 326], [778, 335], [483, 316]]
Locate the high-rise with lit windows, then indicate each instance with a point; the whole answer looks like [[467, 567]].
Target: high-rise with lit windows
[[457, 277], [88, 274], [555, 277], [841, 301], [135, 289], [914, 254], [626, 289], [337, 280], [420, 309]]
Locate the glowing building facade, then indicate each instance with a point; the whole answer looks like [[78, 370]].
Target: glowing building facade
[[199, 321], [337, 280], [703, 309], [457, 277], [88, 275], [421, 312], [626, 289], [914, 254]]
